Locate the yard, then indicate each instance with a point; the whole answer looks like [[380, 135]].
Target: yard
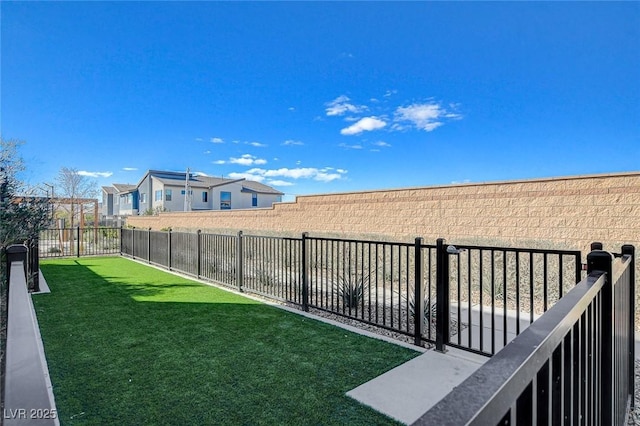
[[130, 344]]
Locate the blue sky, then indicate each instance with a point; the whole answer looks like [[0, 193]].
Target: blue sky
[[323, 97]]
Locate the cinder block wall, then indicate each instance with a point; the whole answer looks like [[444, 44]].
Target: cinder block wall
[[566, 212]]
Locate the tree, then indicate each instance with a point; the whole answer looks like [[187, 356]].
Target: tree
[[22, 214], [74, 186]]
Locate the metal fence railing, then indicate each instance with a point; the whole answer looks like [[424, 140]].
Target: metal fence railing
[[472, 297], [61, 242], [497, 292], [272, 267], [556, 340], [574, 365], [370, 281]]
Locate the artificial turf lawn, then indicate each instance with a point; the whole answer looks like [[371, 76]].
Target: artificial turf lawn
[[130, 344]]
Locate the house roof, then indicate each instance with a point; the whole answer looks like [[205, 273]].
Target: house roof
[[178, 179], [194, 183], [253, 186], [124, 187], [109, 189]]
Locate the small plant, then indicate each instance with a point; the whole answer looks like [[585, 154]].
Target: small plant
[[429, 309], [352, 289]]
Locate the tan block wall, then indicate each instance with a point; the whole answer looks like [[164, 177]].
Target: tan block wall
[[568, 212]]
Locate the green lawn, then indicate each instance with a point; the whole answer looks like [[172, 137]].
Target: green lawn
[[130, 344]]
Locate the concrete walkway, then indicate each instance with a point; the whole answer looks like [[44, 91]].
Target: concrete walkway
[[408, 391], [411, 389]]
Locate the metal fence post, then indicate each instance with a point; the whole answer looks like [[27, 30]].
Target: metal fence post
[[442, 295], [305, 272], [149, 245], [239, 262], [198, 247], [121, 242], [34, 263], [169, 249], [578, 257], [630, 250], [78, 242], [418, 298], [16, 253], [600, 260]]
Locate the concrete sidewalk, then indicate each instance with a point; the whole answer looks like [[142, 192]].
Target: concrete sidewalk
[[408, 391], [411, 389]]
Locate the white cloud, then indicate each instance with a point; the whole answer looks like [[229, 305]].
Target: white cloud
[[199, 139], [95, 174], [256, 144], [247, 160], [362, 125], [292, 142], [382, 144], [327, 177], [245, 175], [341, 105], [219, 162], [280, 183], [130, 169], [345, 146], [217, 140], [207, 152], [292, 109], [322, 175], [427, 116]]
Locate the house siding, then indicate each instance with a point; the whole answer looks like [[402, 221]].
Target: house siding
[[155, 180]]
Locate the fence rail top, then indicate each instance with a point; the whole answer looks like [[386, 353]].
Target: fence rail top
[[349, 240], [520, 249], [620, 267], [487, 392]]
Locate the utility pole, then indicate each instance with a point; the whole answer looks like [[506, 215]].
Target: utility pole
[[187, 193]]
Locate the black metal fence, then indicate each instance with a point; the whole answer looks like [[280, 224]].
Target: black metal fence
[[61, 242], [574, 365], [475, 298], [496, 292]]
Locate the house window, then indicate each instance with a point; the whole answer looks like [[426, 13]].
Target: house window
[[254, 200], [167, 195], [159, 195], [225, 200], [143, 197], [184, 192], [205, 196]]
